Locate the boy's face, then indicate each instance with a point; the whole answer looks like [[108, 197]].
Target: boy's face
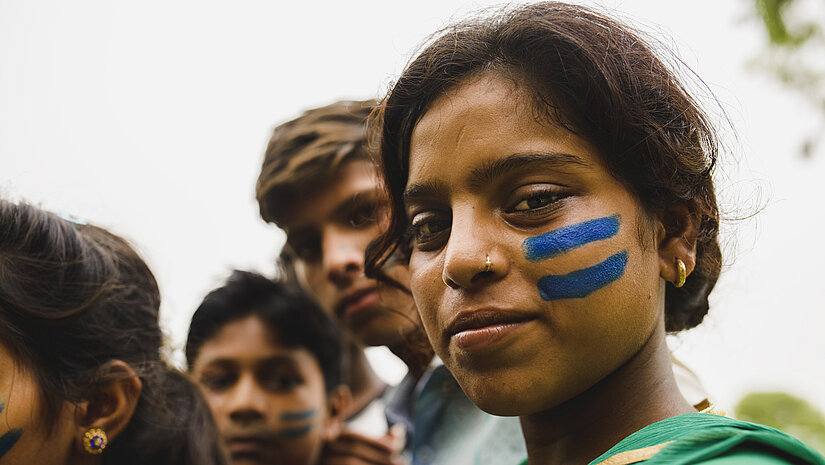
[[327, 234], [268, 400]]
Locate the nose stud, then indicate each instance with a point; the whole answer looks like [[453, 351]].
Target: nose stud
[[488, 265]]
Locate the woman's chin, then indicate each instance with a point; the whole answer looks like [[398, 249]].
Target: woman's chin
[[500, 398]]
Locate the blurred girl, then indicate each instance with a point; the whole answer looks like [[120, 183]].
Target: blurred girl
[[81, 375]]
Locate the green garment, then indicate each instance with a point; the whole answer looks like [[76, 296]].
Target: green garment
[[713, 439], [701, 438]]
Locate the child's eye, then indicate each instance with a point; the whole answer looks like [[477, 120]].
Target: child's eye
[[219, 381], [281, 382], [536, 201]]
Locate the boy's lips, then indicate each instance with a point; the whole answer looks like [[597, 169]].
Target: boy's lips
[[356, 301], [251, 445]]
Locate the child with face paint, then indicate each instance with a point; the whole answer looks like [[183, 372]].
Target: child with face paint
[[551, 184], [81, 376], [269, 363]]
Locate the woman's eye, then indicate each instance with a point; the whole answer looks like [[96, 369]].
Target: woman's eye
[[428, 229], [536, 201]]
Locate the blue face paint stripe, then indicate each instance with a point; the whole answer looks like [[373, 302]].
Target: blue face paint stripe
[[584, 282], [293, 416], [565, 239], [295, 432], [8, 440]]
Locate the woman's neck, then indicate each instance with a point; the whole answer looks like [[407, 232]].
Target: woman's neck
[[639, 393]]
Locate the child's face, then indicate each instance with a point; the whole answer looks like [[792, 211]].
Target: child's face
[[268, 400]]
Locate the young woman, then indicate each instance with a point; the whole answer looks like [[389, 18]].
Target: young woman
[[555, 180], [81, 375]]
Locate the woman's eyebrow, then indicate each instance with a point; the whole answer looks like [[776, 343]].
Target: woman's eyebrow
[[489, 171], [424, 190], [492, 170]]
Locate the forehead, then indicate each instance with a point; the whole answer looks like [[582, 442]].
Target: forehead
[[248, 340], [486, 118], [351, 179]]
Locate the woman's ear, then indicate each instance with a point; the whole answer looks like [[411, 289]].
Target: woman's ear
[[678, 231], [338, 403], [113, 402]]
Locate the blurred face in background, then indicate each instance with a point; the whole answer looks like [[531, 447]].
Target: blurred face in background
[[269, 400], [327, 236]]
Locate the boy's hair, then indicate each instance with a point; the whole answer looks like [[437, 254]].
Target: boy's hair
[[305, 152], [282, 307]]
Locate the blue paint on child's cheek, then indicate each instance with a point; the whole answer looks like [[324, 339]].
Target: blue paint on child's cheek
[[559, 241], [293, 433], [294, 416], [582, 283]]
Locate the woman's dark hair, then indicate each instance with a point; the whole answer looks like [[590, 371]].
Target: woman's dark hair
[[74, 297], [282, 307], [598, 79]]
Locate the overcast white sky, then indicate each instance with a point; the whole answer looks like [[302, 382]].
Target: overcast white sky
[[150, 118]]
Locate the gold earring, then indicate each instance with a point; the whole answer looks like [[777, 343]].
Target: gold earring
[[488, 265], [94, 441], [682, 273]]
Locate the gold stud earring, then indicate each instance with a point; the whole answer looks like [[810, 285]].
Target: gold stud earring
[[488, 265], [682, 273], [94, 441]]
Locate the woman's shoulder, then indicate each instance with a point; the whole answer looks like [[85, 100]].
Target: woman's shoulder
[[709, 439]]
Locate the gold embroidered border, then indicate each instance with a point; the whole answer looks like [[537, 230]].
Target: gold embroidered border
[[634, 456]]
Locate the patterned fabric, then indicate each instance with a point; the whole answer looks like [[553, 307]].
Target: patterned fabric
[[444, 428]]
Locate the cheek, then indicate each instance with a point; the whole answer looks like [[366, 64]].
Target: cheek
[[216, 403], [314, 280], [24, 441], [301, 412], [427, 288]]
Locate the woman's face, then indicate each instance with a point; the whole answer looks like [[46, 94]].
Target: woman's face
[[573, 290], [23, 436]]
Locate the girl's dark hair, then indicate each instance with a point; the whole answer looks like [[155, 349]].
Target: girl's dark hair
[[285, 310], [74, 297], [598, 79]]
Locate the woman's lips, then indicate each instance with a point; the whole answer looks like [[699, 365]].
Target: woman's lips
[[479, 330]]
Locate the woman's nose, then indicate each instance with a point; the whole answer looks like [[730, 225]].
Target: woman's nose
[[472, 253]]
